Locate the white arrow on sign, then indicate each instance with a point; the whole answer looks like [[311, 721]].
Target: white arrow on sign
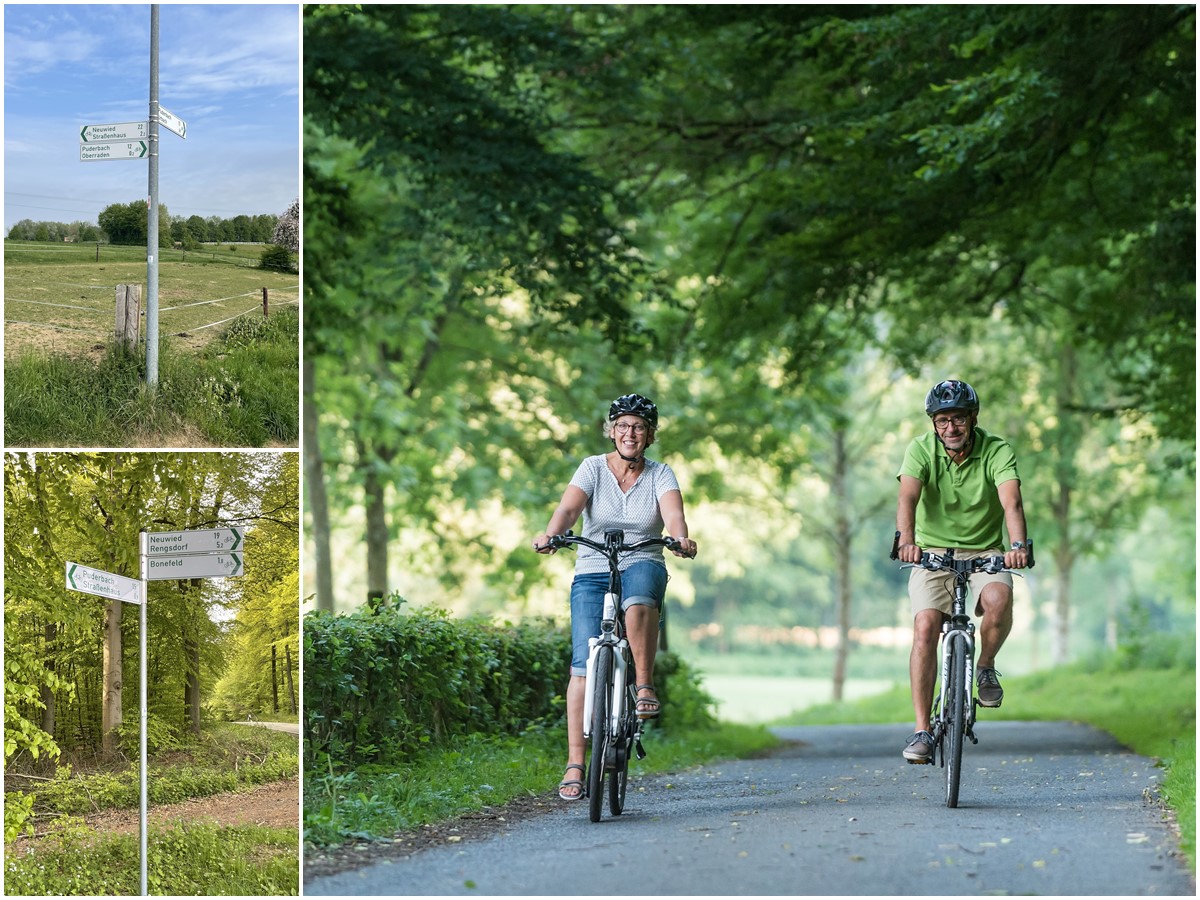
[[200, 540], [211, 565], [172, 122], [130, 150], [121, 131], [103, 584]]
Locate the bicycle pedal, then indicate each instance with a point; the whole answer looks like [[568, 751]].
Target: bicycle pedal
[[919, 762], [638, 751]]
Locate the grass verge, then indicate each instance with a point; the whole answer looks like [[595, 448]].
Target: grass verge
[[239, 391], [198, 859], [1151, 711], [377, 801]]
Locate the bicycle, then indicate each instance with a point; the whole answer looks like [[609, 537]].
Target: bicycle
[[954, 710], [610, 722]]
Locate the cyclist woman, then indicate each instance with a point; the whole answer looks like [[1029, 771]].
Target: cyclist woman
[[959, 488], [618, 490]]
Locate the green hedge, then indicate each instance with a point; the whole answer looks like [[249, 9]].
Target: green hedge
[[385, 684]]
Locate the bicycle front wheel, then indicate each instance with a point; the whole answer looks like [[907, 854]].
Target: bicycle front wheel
[[623, 745], [956, 721], [602, 688]]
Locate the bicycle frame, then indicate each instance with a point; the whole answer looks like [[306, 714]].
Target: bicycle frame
[[612, 633], [958, 631], [611, 750], [960, 628]]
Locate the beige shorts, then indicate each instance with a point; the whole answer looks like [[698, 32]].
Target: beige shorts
[[935, 590]]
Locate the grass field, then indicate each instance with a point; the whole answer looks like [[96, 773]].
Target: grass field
[[228, 377], [61, 297]]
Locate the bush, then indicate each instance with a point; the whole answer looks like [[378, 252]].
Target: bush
[[382, 685], [276, 258]]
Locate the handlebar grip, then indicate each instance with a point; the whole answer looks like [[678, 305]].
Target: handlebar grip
[[1029, 547], [896, 546]]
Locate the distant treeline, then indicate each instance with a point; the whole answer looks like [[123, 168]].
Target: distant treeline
[[125, 223]]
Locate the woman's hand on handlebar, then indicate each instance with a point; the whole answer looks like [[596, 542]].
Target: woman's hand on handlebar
[[541, 543], [683, 547]]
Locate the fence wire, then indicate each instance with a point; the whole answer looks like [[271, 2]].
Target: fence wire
[[105, 312]]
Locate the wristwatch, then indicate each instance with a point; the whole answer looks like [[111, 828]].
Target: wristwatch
[[1017, 545]]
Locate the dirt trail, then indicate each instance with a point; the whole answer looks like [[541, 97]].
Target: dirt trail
[[276, 805]]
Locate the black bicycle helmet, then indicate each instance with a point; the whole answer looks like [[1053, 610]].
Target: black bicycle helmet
[[634, 405], [951, 395]]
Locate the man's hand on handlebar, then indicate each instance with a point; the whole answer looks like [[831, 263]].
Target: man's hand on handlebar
[[1016, 559], [909, 553]]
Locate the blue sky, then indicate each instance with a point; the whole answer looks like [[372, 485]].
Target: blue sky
[[231, 72]]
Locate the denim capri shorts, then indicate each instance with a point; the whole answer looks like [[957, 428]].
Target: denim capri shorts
[[643, 583]]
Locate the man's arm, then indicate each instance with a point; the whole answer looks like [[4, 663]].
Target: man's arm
[[1014, 520], [906, 518]]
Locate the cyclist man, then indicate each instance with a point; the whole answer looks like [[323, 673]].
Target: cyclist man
[[958, 486]]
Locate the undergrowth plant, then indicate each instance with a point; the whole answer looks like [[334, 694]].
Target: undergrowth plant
[[239, 391], [184, 859]]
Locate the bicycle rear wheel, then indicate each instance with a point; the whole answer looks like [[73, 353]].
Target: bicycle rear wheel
[[601, 707], [955, 717]]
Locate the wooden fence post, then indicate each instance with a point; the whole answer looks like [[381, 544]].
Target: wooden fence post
[[264, 302], [129, 314]]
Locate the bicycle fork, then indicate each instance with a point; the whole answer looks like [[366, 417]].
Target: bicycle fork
[[951, 633]]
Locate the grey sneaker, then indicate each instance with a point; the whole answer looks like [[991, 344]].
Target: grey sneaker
[[990, 693], [919, 748]]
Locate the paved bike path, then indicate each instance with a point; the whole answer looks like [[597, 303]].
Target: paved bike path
[[1045, 808]]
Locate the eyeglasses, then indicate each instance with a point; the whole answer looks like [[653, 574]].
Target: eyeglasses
[[624, 427], [941, 423]]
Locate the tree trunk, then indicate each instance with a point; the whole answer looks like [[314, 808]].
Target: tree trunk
[[1065, 475], [47, 691], [839, 488], [274, 678], [191, 690], [287, 657], [111, 716], [318, 500], [377, 533]]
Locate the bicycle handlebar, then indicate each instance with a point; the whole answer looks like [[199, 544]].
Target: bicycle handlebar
[[927, 556], [559, 541], [991, 565]]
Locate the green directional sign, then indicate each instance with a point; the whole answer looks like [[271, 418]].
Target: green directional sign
[[200, 540], [113, 150], [119, 131], [205, 565], [87, 580]]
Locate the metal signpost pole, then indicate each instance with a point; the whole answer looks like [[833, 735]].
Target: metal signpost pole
[[99, 583], [145, 571], [152, 217]]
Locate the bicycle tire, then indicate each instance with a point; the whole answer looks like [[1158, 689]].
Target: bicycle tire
[[956, 725], [601, 704], [623, 746]]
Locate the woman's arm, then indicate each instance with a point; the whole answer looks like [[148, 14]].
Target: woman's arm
[[670, 505], [569, 508]]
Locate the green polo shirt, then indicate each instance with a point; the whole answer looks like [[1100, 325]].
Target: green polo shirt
[[959, 505]]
